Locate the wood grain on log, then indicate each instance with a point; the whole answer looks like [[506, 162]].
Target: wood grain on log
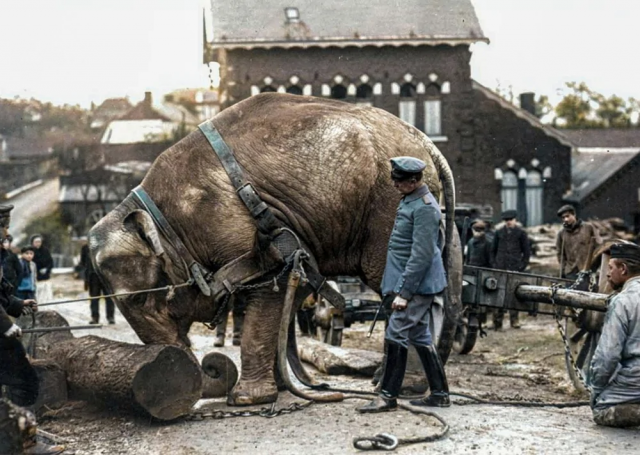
[[163, 381], [336, 360]]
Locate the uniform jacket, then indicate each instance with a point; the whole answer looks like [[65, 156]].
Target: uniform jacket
[[414, 255], [479, 252], [511, 249], [615, 366], [10, 305], [11, 268], [573, 246]]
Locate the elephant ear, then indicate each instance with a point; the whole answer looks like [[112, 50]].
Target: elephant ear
[[143, 223]]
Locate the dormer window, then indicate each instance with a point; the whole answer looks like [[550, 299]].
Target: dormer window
[[292, 14]]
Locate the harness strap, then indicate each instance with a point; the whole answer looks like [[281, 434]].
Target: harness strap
[[198, 272]]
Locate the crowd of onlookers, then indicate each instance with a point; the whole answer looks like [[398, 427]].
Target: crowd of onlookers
[[28, 269]]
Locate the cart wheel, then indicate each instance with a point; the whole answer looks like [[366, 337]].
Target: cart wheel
[[465, 338], [582, 344]]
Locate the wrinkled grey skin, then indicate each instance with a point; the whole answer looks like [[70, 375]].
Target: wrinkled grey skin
[[321, 165]]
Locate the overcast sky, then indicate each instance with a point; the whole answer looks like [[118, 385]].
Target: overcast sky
[[78, 51]]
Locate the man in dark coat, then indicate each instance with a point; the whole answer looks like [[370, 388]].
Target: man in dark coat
[[413, 275], [575, 243], [16, 373], [511, 251], [96, 289], [44, 264], [479, 246]]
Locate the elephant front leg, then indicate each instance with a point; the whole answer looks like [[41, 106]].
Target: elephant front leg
[[257, 383]]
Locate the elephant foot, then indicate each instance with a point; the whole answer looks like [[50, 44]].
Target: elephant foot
[[252, 393]]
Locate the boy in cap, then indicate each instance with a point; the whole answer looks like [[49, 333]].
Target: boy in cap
[[27, 282], [511, 251], [574, 243], [615, 367], [413, 275], [479, 246]]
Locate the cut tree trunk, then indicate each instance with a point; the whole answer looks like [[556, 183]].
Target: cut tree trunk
[[15, 425], [220, 375], [163, 381], [336, 360]]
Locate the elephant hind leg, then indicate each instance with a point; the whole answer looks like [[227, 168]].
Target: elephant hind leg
[[257, 384]]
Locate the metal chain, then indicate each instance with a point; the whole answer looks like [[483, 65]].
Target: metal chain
[[268, 412], [567, 347]]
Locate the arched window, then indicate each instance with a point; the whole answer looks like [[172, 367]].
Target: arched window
[[432, 111], [534, 193], [268, 88], [407, 104], [339, 92], [509, 193], [295, 90], [364, 94]]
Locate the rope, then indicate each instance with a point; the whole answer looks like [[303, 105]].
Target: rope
[[169, 288]]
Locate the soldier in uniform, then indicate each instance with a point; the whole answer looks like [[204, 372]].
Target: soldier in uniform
[[615, 368], [574, 243], [511, 251], [16, 373], [413, 275]]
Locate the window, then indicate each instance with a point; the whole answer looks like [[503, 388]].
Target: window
[[364, 93], [339, 92], [432, 118], [509, 193], [292, 14], [407, 104], [267, 88], [295, 90], [535, 215]]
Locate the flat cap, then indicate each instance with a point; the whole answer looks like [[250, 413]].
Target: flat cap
[[5, 209], [508, 214], [625, 251], [478, 225], [407, 164], [566, 208]]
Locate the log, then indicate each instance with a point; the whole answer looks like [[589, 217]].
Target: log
[[220, 375], [53, 385], [160, 380], [16, 424], [336, 360]]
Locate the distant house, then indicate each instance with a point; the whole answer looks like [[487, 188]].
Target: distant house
[[203, 103], [604, 174], [410, 58], [110, 109]]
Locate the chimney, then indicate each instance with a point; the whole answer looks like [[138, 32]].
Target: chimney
[[528, 102], [147, 99]]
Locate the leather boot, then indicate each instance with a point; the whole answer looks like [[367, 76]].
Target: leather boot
[[238, 321], [391, 381], [34, 447], [514, 319], [436, 376], [377, 375]]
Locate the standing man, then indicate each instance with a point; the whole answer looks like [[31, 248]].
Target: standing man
[[414, 274], [16, 373], [575, 243], [479, 246], [511, 251], [44, 263], [96, 289], [615, 367]]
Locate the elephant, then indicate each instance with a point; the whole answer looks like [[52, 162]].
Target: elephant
[[322, 167]]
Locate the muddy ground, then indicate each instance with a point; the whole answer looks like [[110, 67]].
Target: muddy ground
[[526, 363]]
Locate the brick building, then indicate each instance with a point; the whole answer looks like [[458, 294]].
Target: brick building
[[410, 58]]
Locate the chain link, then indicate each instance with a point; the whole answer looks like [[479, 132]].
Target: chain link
[[268, 412]]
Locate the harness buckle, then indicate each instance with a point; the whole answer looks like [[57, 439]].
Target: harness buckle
[[229, 286]]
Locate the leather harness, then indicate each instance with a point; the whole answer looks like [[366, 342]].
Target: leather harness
[[245, 268]]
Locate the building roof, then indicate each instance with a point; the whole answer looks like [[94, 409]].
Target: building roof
[[109, 109], [524, 115], [592, 167], [87, 193], [137, 131], [27, 147], [250, 24], [604, 137]]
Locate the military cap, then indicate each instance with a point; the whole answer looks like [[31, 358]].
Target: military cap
[[5, 209], [509, 214], [566, 208], [625, 251], [407, 164]]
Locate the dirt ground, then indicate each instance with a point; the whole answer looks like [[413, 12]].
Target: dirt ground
[[526, 363]]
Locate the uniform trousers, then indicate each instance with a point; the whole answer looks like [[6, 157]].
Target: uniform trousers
[[17, 373], [411, 325], [96, 290]]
